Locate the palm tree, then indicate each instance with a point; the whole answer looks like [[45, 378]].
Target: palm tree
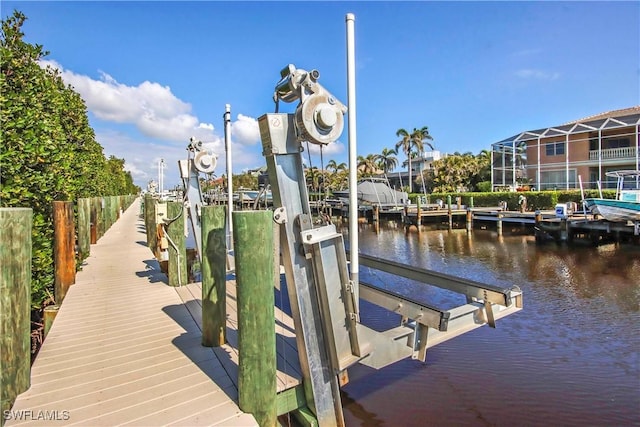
[[337, 174], [416, 139], [334, 167], [387, 161], [313, 179], [367, 165]]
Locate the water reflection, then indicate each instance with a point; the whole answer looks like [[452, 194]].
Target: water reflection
[[569, 358], [609, 271]]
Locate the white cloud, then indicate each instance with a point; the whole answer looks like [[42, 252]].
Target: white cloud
[[327, 150], [531, 73], [245, 130], [151, 107]]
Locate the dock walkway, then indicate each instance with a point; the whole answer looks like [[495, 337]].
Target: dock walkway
[[125, 350]]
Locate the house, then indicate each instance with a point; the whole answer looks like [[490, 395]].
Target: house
[[419, 164], [558, 157]]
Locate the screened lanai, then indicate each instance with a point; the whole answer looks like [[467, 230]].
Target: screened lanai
[[559, 157]]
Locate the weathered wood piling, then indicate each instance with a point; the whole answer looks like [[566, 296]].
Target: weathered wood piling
[[177, 270], [213, 267], [63, 249], [15, 298], [84, 227], [253, 243]]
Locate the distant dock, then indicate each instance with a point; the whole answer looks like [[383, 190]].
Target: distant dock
[[544, 225]]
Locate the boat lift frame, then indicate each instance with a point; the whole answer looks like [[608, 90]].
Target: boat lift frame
[[324, 301]]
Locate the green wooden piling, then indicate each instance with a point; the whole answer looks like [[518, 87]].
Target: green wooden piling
[[213, 267], [177, 271], [449, 213], [15, 299], [376, 218], [84, 227], [149, 218], [253, 243], [99, 216], [64, 242], [108, 213], [115, 209], [418, 214], [94, 220]]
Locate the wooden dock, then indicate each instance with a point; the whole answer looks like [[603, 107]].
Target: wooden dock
[[125, 349]]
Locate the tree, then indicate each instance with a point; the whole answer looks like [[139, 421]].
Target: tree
[[334, 167], [367, 165], [416, 139], [387, 160], [338, 175], [460, 172]]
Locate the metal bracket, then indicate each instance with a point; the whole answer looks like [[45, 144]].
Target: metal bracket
[[420, 335], [488, 308], [280, 215]]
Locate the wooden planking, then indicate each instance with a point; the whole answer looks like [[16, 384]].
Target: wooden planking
[[288, 374], [124, 349]]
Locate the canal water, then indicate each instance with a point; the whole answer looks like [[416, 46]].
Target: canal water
[[569, 358]]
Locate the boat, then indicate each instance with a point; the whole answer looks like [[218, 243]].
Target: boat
[[626, 206], [376, 191]]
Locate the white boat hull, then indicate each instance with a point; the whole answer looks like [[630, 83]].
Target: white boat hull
[[615, 210]]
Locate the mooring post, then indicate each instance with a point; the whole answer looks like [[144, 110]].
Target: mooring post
[[100, 216], [469, 220], [253, 243], [376, 218], [64, 238], [418, 214], [149, 219], [94, 220], [112, 211], [177, 271], [499, 224], [15, 298], [49, 315], [84, 227], [471, 202], [214, 286], [564, 230], [108, 213], [538, 217], [104, 217], [449, 213]]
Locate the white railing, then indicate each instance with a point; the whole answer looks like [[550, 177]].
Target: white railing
[[614, 153]]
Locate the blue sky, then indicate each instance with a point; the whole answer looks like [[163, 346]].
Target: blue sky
[[153, 74]]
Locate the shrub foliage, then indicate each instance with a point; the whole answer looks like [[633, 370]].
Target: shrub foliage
[[48, 149]]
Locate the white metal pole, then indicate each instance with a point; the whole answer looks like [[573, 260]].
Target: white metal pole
[[491, 164], [227, 147], [353, 161], [159, 177], [566, 159]]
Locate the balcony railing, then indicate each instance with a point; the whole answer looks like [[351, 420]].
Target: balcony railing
[[614, 153]]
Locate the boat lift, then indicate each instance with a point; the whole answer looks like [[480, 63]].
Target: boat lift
[[198, 160], [324, 301]]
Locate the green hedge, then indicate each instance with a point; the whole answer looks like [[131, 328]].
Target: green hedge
[[542, 200]]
